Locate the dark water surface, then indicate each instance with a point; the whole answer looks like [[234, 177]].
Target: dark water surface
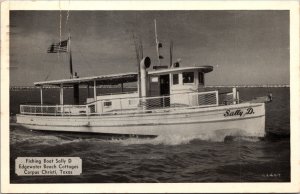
[[162, 159]]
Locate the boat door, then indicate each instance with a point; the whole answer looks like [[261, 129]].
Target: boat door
[[164, 81]]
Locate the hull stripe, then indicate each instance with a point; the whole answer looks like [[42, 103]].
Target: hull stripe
[[150, 124]]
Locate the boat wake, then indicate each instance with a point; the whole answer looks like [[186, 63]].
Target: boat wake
[[232, 135], [41, 138]]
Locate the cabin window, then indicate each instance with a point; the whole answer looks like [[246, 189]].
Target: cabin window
[[175, 79], [188, 77], [201, 78], [154, 79], [107, 104]]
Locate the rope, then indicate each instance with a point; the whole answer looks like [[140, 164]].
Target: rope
[[60, 17]]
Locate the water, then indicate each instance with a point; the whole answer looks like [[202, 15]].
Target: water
[[166, 159]]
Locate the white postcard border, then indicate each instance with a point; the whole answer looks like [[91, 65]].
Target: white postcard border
[[293, 186]]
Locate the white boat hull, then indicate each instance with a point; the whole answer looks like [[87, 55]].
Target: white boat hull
[[247, 119]]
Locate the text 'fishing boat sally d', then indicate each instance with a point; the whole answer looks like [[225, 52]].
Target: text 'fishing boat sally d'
[[169, 100]]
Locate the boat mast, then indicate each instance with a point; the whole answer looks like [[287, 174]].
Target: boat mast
[[75, 85], [139, 55], [158, 45], [171, 53]]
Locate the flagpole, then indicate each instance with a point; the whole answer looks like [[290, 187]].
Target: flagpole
[[157, 43], [70, 57]]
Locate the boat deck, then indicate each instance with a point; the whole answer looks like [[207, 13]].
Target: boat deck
[[133, 105]]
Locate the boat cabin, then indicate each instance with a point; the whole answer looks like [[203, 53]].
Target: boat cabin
[[177, 83], [164, 88], [177, 80]]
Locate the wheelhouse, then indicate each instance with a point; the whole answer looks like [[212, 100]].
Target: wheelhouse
[[177, 80]]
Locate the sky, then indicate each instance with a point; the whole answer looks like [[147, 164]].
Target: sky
[[244, 47]]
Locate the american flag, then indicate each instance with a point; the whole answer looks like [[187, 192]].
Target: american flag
[[59, 47]]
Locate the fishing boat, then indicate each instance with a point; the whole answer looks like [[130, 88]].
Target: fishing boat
[[168, 100]]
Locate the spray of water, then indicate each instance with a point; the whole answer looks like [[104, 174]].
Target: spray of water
[[168, 139], [171, 139]]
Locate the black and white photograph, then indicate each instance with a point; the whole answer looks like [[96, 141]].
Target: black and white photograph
[[149, 96]]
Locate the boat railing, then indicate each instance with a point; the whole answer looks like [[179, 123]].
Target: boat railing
[[228, 98], [128, 105], [54, 110]]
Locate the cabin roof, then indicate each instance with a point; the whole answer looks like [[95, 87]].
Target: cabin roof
[[111, 79], [204, 69], [114, 79]]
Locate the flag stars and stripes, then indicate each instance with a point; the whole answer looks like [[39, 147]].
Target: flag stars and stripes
[[59, 47]]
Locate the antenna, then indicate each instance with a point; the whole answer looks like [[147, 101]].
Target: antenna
[[141, 49]]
